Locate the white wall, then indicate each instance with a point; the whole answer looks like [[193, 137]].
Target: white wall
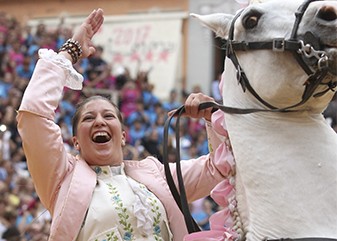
[[200, 52]]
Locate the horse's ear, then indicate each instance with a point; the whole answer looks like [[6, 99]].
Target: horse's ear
[[219, 23]]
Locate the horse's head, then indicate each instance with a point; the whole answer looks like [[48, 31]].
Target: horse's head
[[275, 46]]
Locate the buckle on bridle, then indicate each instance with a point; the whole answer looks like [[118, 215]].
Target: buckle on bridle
[[278, 44]]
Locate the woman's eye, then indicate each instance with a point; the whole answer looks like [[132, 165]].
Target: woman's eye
[[109, 116], [87, 118]]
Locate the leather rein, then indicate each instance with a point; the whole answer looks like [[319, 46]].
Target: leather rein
[[300, 50]]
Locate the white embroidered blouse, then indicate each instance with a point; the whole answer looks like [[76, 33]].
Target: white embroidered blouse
[[123, 209]]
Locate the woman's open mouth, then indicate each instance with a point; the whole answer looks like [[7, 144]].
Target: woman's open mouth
[[101, 137]]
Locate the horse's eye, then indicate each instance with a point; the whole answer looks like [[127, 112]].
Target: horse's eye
[[250, 22], [251, 19]]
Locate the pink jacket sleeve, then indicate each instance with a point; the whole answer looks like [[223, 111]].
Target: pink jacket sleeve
[[41, 137]]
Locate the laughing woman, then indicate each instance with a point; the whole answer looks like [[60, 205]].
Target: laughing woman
[[96, 195]]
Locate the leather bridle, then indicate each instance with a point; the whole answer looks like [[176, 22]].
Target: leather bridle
[[301, 49]]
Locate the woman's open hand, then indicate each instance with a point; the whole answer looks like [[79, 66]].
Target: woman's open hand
[[87, 30]]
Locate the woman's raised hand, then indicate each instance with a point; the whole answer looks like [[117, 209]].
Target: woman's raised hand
[[87, 30]]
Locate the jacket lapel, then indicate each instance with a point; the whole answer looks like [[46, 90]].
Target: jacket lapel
[[68, 221]]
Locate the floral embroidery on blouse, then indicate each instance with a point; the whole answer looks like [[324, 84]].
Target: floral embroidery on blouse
[[156, 214], [122, 213], [156, 218]]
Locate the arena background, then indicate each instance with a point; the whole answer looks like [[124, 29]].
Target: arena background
[[153, 35]]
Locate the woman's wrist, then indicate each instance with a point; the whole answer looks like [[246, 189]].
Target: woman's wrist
[[66, 55], [73, 49]]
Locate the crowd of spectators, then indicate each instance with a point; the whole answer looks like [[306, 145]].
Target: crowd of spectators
[[22, 216]]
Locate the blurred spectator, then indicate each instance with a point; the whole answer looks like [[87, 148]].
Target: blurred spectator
[[171, 154], [67, 108], [12, 234], [137, 132], [129, 95], [5, 145], [15, 54], [149, 99], [122, 77], [25, 70], [27, 36], [139, 114], [173, 102], [201, 210], [41, 30], [159, 127], [97, 70], [185, 142], [130, 152], [152, 145], [156, 113], [202, 142], [27, 212], [4, 224], [81, 67], [2, 42], [66, 134], [194, 126], [6, 84]]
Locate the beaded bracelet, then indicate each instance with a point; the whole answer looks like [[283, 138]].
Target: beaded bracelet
[[73, 48]]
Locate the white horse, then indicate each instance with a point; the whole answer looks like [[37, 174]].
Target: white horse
[[286, 162]]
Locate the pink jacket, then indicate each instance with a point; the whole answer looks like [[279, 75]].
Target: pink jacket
[[65, 183]]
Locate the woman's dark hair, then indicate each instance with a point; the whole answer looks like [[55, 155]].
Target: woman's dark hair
[[80, 105]]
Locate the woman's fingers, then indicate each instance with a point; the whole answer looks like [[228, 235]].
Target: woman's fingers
[[97, 20], [87, 30], [192, 107], [192, 104]]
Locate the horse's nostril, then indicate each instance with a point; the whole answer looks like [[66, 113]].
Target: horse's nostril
[[327, 13]]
